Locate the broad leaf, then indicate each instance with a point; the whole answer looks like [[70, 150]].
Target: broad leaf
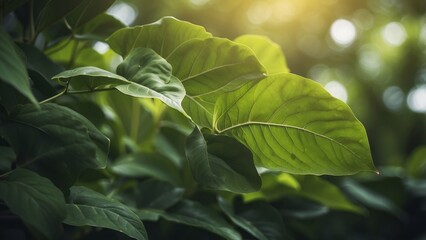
[[294, 125], [268, 52], [156, 194], [151, 77], [239, 221], [7, 157], [301, 208], [196, 215], [163, 36], [416, 164], [12, 68], [221, 163], [89, 208], [86, 11], [35, 200], [147, 165], [212, 67], [56, 140], [54, 11]]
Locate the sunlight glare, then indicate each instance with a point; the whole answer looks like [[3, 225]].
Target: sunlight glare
[[198, 2], [337, 89], [416, 99], [394, 34], [259, 12], [101, 47], [343, 32], [123, 12]]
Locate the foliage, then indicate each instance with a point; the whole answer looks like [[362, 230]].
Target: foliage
[[186, 129]]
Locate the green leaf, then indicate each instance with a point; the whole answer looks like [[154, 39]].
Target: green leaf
[[99, 28], [163, 36], [7, 157], [151, 77], [54, 11], [221, 163], [86, 11], [158, 194], [12, 68], [416, 165], [56, 140], [196, 215], [293, 125], [147, 165], [268, 52], [89, 208], [212, 67], [300, 208], [35, 200], [239, 221], [372, 199], [89, 79], [263, 217]]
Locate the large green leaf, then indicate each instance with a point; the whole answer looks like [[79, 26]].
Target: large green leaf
[[89, 208], [268, 52], [35, 200], [239, 221], [163, 36], [151, 77], [99, 28], [86, 11], [12, 68], [294, 125], [196, 215], [210, 68], [56, 140], [55, 10], [221, 163]]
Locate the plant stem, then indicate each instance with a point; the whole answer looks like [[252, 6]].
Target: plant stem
[[56, 96], [73, 54]]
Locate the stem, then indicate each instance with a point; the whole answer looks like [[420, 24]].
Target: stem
[[56, 96], [74, 54]]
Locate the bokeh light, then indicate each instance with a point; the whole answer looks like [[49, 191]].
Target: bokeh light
[[416, 99], [393, 98], [343, 32], [337, 89], [394, 34], [101, 47]]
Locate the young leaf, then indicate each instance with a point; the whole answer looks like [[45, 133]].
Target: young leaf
[[151, 77], [221, 163], [239, 221], [212, 67], [35, 200], [12, 68], [56, 140], [89, 208], [268, 52], [163, 36], [196, 215], [86, 11], [292, 124]]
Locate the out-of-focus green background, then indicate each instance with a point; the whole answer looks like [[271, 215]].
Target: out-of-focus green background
[[369, 53]]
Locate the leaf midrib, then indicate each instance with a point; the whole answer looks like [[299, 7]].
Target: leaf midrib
[[285, 126]]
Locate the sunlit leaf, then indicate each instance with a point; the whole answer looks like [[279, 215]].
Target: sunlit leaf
[[211, 68], [89, 208], [268, 52], [221, 162], [294, 125], [151, 77], [163, 36], [12, 68], [35, 200], [57, 141]]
